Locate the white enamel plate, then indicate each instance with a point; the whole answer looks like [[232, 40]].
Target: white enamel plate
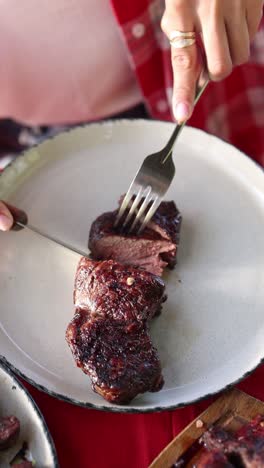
[[211, 332]]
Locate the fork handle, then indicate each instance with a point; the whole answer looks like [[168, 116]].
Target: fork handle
[[169, 147]]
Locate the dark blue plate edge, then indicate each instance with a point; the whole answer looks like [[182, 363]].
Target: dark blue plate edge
[[123, 409]]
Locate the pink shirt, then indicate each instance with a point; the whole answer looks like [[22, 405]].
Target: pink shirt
[[62, 61]]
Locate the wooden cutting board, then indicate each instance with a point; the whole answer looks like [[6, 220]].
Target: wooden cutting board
[[230, 411]]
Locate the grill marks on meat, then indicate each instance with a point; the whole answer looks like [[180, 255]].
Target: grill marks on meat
[[244, 449], [119, 358], [103, 288], [109, 335], [153, 250]]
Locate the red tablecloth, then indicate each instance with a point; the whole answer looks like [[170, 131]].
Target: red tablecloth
[[86, 438]]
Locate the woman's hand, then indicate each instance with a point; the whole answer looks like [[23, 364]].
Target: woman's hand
[[6, 219], [227, 26]]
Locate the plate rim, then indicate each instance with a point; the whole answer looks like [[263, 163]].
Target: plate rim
[[102, 407], [123, 409], [8, 368], [113, 122]]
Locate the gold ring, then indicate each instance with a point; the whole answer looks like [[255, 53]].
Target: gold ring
[[181, 39]]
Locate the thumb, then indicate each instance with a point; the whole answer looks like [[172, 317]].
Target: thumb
[[6, 219]]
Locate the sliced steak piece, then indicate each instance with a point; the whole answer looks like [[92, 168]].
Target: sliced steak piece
[[249, 444], [9, 431], [245, 448], [108, 335], [216, 438], [213, 459], [152, 250]]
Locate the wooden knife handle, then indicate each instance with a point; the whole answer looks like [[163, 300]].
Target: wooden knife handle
[[18, 215]]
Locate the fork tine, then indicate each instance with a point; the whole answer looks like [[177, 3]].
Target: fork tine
[[124, 204], [150, 213], [133, 207], [142, 208]]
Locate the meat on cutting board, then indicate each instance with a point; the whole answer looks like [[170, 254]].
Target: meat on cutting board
[[213, 459], [243, 449], [108, 335]]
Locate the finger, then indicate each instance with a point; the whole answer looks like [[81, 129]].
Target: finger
[[186, 69], [253, 17], [238, 39], [185, 62], [216, 45], [6, 219]]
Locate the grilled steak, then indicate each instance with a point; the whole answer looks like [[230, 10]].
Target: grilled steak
[[153, 250], [244, 449], [108, 335], [213, 459], [216, 438], [119, 291], [9, 431]]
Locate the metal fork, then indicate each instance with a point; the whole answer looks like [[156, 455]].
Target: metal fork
[[152, 180]]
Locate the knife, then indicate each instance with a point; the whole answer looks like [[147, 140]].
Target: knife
[[21, 222]]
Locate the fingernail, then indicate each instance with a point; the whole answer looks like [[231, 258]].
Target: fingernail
[[182, 111], [5, 222]]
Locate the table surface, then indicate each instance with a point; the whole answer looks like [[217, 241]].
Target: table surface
[[92, 438]]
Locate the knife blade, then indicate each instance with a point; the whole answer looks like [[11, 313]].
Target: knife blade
[[21, 222], [51, 238]]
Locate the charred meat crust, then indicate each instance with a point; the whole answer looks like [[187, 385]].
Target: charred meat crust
[[109, 336]]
